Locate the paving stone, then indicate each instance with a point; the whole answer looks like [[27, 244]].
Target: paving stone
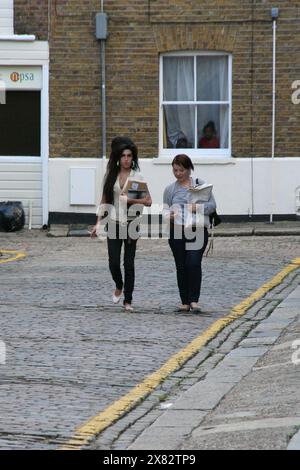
[[71, 353]]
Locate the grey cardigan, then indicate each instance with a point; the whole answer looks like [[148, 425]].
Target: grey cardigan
[[209, 206]]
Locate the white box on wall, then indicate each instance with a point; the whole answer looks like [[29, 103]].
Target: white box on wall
[[83, 186]]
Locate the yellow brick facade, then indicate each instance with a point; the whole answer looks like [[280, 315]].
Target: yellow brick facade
[[139, 31]]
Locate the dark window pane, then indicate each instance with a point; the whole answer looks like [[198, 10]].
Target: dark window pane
[[20, 124]]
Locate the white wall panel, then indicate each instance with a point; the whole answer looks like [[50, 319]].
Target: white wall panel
[[23, 182], [233, 188], [6, 17]]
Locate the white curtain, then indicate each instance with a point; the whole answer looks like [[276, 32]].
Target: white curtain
[[178, 85], [212, 85]]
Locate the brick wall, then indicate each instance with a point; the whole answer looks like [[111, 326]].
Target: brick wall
[[139, 30], [31, 17], [75, 124]]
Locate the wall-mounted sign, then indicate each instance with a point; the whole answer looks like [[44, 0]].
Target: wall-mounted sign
[[21, 77]]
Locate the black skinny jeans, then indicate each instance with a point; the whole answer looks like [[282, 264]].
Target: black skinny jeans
[[188, 267], [114, 256]]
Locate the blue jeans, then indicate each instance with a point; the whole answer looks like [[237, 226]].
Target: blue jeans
[[188, 267]]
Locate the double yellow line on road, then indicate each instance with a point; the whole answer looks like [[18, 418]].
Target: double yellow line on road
[[15, 255], [88, 431]]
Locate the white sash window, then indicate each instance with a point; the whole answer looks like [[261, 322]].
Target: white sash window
[[195, 90]]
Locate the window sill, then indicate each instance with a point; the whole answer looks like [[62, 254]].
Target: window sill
[[20, 159], [17, 37], [198, 160]]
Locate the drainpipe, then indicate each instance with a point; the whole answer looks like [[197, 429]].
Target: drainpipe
[[274, 14], [101, 35]]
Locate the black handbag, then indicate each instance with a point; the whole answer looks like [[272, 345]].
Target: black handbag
[[214, 219]]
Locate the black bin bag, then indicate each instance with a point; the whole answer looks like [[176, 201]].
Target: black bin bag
[[12, 216]]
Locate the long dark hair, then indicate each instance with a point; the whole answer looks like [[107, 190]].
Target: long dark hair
[[113, 168]]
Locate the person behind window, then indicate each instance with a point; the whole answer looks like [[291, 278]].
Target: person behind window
[[188, 261], [123, 163], [209, 139], [182, 143]]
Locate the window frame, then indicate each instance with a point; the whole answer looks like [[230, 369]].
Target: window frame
[[195, 152]]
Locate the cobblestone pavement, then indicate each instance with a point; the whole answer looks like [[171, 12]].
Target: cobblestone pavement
[[70, 353], [241, 391]]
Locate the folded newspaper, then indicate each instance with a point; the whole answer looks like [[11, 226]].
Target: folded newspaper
[[135, 189], [200, 193]]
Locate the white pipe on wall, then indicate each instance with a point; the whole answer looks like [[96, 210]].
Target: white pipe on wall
[[273, 119], [103, 92], [103, 98]]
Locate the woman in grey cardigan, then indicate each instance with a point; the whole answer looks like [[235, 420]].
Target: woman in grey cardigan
[[188, 260]]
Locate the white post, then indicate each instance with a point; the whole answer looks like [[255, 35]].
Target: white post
[[30, 215], [2, 352]]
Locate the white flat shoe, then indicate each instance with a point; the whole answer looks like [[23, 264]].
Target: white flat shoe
[[195, 307], [128, 308], [116, 298]]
